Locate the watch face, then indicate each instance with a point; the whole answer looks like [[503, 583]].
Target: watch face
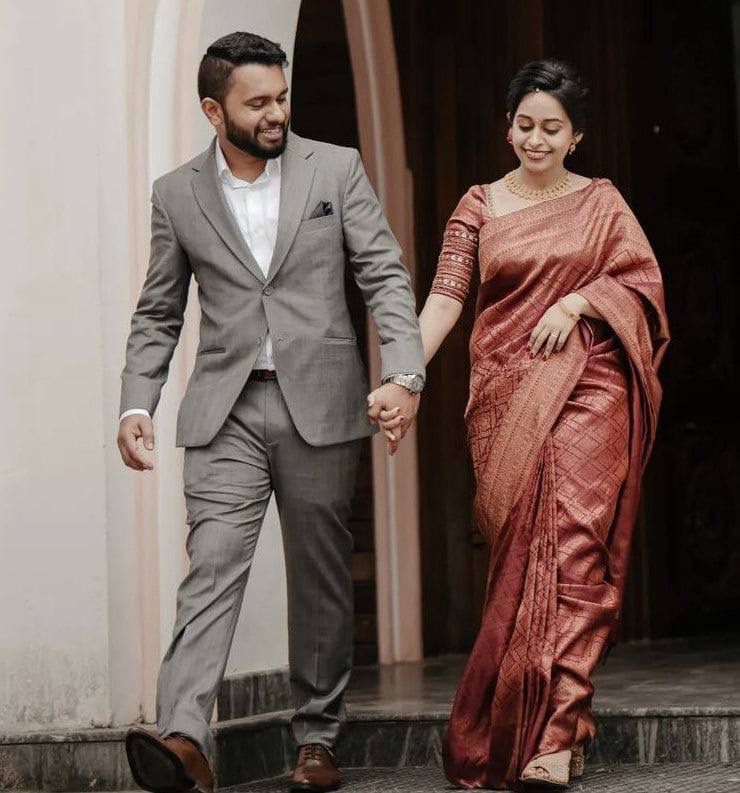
[[417, 384]]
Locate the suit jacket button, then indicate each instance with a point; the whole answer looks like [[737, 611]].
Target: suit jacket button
[[268, 290]]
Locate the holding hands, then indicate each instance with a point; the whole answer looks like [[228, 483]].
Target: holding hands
[[394, 409]]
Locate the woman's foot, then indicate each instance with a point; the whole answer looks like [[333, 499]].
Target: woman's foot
[[548, 770], [577, 762]]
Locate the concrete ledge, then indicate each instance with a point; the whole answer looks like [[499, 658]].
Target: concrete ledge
[[261, 747], [252, 694], [82, 760]]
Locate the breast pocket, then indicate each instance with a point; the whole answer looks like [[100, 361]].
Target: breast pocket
[[315, 224]]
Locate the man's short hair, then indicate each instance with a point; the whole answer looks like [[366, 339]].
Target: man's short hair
[[228, 52]]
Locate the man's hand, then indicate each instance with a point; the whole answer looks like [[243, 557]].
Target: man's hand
[[394, 408], [130, 430]]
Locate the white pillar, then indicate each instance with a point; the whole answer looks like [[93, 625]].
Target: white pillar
[[67, 510], [100, 98]]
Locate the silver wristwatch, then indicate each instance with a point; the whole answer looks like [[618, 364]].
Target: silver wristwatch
[[411, 382]]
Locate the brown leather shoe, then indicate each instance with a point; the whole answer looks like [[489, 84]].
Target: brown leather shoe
[[167, 765], [316, 770]]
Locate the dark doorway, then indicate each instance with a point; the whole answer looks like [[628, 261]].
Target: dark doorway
[[323, 108], [664, 129]]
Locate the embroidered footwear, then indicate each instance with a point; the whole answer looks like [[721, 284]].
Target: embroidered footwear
[[548, 770]]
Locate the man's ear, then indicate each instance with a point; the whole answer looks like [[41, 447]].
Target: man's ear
[[213, 111]]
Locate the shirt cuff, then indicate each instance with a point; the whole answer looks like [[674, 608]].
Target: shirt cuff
[[133, 412]]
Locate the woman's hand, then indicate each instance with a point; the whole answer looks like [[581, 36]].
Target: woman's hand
[[394, 409], [553, 329]]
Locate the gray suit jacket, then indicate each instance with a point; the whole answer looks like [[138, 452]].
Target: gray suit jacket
[[301, 302]]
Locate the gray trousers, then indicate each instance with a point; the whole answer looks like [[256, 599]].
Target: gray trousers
[[227, 488]]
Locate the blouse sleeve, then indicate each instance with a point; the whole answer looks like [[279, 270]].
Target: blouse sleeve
[[459, 255]]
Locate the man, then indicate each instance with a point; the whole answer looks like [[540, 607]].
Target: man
[[266, 222]]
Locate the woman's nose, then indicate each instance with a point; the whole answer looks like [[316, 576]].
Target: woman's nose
[[535, 138]]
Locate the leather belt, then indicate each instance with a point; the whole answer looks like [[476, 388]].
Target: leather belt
[[263, 374]]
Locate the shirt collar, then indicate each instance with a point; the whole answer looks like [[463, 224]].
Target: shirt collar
[[272, 169]]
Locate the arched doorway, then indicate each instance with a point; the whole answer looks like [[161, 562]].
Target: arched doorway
[[341, 47], [323, 107]]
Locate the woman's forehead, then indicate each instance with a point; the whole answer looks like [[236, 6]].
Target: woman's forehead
[[542, 106]]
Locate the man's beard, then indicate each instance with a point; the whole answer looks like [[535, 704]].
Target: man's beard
[[248, 143]]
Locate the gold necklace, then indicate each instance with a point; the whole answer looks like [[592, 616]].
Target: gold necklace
[[512, 182]]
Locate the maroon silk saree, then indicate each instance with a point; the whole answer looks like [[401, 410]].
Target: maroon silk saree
[[558, 448]]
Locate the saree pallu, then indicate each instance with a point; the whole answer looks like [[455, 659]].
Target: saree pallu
[[558, 449]]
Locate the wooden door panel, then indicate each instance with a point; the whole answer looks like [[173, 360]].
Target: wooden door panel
[[323, 108]]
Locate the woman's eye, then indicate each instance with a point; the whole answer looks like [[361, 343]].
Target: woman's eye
[[552, 131], [524, 129]]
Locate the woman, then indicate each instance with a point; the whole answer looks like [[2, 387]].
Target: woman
[[570, 328]]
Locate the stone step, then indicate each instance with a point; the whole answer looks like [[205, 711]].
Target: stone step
[[674, 701], [261, 747], [686, 778]]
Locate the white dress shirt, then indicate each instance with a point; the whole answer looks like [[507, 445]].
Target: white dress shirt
[[255, 207]]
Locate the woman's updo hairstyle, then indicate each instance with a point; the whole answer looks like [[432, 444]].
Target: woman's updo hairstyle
[[557, 78]]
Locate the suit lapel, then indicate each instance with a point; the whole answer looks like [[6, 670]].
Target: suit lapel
[[210, 198], [297, 172]]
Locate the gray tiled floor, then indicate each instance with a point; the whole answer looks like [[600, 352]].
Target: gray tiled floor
[[624, 779], [677, 675]]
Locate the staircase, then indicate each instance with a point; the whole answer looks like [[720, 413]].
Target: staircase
[[668, 719]]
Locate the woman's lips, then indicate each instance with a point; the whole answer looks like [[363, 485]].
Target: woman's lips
[[536, 155]]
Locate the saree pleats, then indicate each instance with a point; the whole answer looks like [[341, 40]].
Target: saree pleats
[[499, 701]]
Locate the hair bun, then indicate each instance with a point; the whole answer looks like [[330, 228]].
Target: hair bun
[[556, 77]]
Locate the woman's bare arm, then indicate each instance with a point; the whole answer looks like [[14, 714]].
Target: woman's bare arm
[[436, 320]]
